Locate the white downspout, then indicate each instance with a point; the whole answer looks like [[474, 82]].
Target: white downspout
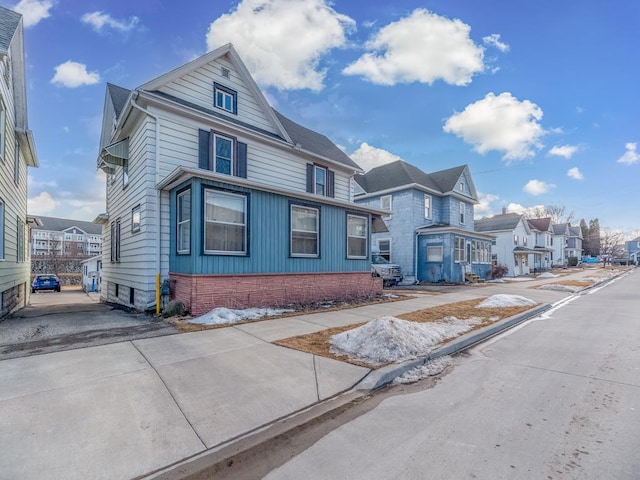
[[156, 119], [415, 259]]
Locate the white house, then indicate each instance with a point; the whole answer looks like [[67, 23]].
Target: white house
[[511, 245], [92, 274], [541, 240], [17, 153], [219, 199], [559, 241]]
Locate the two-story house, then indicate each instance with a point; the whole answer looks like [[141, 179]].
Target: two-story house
[[633, 251], [65, 237], [541, 240], [219, 199], [574, 243], [559, 241], [430, 221], [17, 153], [511, 245]]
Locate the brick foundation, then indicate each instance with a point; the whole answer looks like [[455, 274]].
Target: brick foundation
[[201, 293]]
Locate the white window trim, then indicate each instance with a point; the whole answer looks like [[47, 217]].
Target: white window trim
[[384, 199], [226, 252], [380, 248], [316, 231], [365, 236], [427, 210], [135, 228], [459, 258], [182, 223], [315, 180], [463, 213], [440, 254], [214, 155]]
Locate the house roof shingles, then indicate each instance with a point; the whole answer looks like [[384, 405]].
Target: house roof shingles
[[400, 173], [118, 96], [60, 224], [9, 21], [505, 221], [541, 224]]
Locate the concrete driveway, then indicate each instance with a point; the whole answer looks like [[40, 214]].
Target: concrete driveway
[[69, 319]]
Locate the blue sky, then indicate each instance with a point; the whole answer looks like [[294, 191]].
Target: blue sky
[[540, 99]]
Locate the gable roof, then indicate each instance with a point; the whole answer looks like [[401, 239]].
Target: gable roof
[[560, 228], [400, 173], [575, 231], [9, 21], [118, 96], [541, 224], [296, 135], [61, 224], [505, 221]]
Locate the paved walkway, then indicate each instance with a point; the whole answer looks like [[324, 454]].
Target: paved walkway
[[125, 409]]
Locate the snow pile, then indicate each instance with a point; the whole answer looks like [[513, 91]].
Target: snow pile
[[547, 275], [429, 369], [389, 339], [519, 279], [504, 300], [591, 279], [559, 288], [222, 316]]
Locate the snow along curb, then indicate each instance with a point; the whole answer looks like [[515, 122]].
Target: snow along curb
[[377, 378]]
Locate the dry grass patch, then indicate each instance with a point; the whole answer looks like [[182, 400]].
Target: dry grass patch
[[318, 343]]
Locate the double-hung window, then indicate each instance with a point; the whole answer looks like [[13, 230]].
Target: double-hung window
[[459, 253], [225, 223], [385, 203], [305, 228], [427, 206], [223, 154], [357, 236], [225, 98], [1, 230], [135, 220], [434, 253], [115, 241], [183, 209], [462, 211], [320, 176]]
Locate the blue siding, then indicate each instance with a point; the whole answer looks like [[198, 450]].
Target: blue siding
[[448, 270], [268, 237]]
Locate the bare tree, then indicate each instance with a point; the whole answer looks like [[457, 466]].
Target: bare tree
[[557, 213], [612, 245]]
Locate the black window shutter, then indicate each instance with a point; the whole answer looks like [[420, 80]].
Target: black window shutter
[[331, 178], [204, 141], [310, 178], [241, 160]]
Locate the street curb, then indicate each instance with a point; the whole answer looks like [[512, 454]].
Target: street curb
[[377, 378]]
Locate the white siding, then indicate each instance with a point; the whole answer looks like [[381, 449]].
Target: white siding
[[197, 87]]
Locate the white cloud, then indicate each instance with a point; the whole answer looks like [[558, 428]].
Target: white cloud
[[369, 157], [423, 47], [42, 204], [537, 187], [517, 208], [631, 156], [485, 208], [73, 74], [98, 20], [565, 151], [494, 41], [501, 123], [33, 11], [282, 41], [575, 173]]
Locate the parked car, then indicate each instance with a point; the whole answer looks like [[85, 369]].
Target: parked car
[[390, 272], [45, 282]]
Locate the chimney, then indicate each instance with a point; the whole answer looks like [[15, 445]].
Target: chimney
[[504, 210]]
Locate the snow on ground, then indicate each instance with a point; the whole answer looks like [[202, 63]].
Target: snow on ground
[[519, 279], [222, 316], [547, 275], [390, 339], [559, 288], [429, 369], [504, 300]]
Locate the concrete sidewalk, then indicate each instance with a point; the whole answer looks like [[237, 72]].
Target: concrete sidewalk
[[126, 409]]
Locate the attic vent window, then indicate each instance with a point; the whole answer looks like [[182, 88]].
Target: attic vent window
[[225, 72]]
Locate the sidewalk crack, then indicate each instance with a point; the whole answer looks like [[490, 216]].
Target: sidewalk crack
[[175, 401]]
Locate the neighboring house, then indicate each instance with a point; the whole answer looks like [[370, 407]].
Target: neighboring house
[[511, 246], [222, 200], [541, 240], [17, 153], [92, 274], [61, 236], [430, 221], [559, 241], [574, 243], [633, 250]]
